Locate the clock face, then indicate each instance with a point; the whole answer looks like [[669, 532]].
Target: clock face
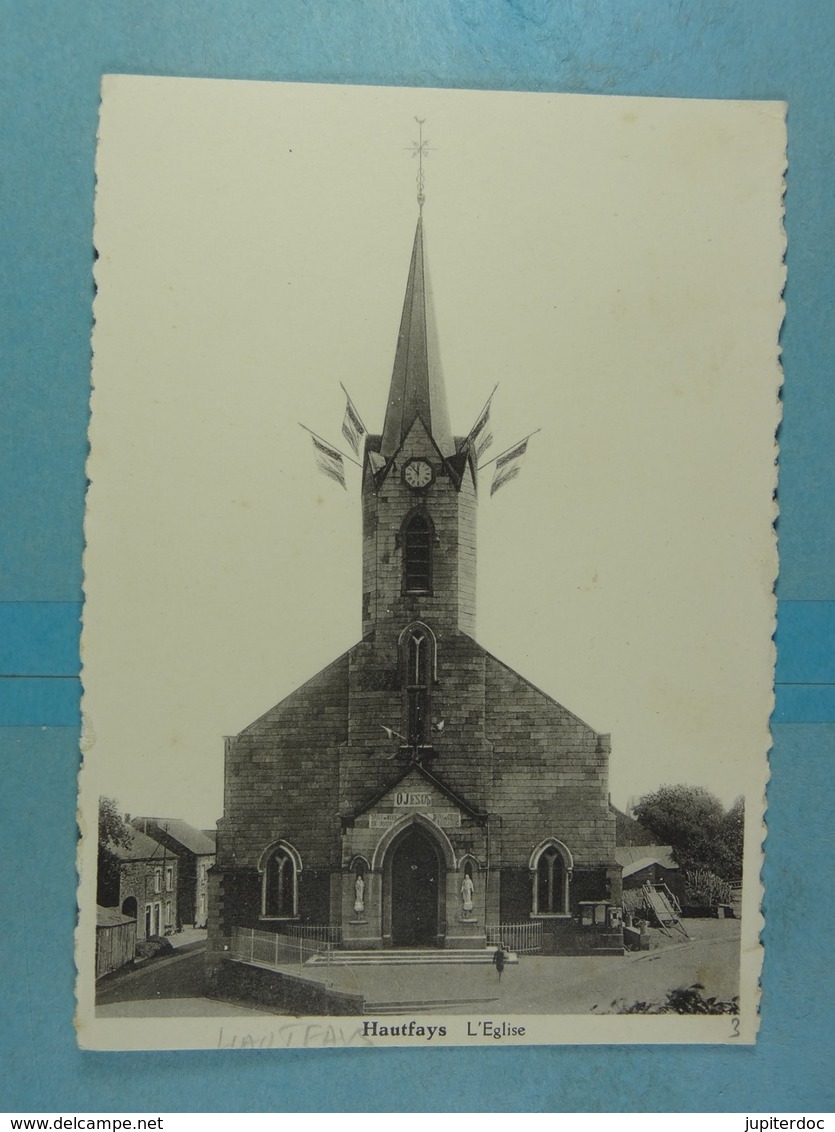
[[418, 473]]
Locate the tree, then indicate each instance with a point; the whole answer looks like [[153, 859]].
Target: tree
[[694, 822], [732, 835], [114, 833]]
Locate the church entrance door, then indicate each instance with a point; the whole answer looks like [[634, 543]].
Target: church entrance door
[[415, 891]]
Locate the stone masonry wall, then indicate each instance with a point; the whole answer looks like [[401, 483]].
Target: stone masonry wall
[[282, 775], [550, 772], [136, 879], [451, 605]]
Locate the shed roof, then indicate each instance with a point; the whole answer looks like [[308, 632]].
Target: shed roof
[[633, 858], [110, 917]]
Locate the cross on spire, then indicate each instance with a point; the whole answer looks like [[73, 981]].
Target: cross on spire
[[420, 149]]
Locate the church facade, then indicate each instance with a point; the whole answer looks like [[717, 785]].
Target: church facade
[[418, 792]]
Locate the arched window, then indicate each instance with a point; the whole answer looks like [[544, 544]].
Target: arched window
[[280, 889], [417, 538], [551, 866], [550, 882], [417, 659]]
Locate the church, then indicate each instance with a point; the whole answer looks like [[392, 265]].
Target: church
[[418, 793]]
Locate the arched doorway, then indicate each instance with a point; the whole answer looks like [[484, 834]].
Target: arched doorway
[[415, 887], [129, 907]]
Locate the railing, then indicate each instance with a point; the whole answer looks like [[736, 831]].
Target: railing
[[315, 933], [524, 938], [277, 949]]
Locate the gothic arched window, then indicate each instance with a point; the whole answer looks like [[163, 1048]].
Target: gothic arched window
[[551, 866], [280, 883], [417, 538]]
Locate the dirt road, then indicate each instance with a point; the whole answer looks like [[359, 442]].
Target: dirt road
[[540, 985]]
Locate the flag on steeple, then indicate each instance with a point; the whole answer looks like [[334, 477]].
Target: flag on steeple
[[353, 428], [483, 444], [508, 466], [329, 461], [508, 463], [479, 438]]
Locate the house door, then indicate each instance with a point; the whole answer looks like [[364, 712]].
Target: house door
[[149, 920], [415, 890]]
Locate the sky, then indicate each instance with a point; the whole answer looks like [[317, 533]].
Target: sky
[[615, 265]]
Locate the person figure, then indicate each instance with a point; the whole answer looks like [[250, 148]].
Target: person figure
[[467, 890], [499, 957], [359, 894]]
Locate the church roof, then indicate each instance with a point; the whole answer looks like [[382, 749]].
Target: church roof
[[417, 384], [628, 831]]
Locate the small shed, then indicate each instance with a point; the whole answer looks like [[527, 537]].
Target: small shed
[[115, 940], [649, 864]]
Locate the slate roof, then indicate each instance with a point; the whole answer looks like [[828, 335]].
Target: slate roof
[[633, 858], [192, 840], [628, 831], [417, 385], [141, 848]]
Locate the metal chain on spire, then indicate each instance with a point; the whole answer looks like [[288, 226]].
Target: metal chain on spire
[[420, 149]]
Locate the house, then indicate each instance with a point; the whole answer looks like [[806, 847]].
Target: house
[[142, 884], [418, 792], [195, 853]]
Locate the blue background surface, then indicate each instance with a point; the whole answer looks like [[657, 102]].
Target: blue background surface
[[52, 55]]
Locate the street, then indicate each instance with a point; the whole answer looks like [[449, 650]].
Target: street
[[176, 986]]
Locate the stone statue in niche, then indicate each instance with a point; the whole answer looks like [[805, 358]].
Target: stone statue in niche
[[467, 890], [359, 894]]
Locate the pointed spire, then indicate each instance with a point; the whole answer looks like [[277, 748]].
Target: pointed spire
[[417, 384]]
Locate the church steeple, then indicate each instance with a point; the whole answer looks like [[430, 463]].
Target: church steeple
[[419, 503], [417, 384]]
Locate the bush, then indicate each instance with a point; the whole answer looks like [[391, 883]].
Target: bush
[[153, 947], [702, 887], [685, 1000]]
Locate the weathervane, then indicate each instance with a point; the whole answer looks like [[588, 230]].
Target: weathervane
[[420, 149]]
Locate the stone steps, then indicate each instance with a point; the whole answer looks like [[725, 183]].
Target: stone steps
[[401, 956]]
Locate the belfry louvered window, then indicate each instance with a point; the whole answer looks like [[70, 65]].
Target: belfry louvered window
[[417, 555]]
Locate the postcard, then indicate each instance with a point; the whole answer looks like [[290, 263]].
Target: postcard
[[429, 567]]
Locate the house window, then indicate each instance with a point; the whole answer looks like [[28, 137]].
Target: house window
[[280, 884], [417, 662], [157, 880], [169, 878], [417, 539], [551, 866]]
